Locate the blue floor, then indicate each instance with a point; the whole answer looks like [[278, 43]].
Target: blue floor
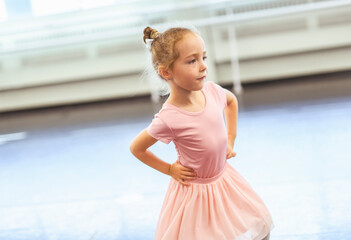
[[81, 182]]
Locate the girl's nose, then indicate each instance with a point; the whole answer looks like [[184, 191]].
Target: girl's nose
[[203, 67]]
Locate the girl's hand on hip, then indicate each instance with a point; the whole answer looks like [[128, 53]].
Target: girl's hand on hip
[[181, 173], [230, 152]]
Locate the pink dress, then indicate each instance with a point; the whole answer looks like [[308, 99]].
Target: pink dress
[[219, 204]]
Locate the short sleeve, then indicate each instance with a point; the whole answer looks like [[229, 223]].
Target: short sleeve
[[159, 129], [222, 94]]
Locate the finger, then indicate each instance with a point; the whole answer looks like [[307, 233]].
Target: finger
[[184, 167], [187, 173], [188, 177], [232, 155], [187, 169], [184, 183]]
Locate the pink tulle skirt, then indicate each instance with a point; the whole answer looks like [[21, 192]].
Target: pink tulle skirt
[[224, 207]]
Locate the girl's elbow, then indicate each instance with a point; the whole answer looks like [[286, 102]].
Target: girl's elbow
[[135, 148], [132, 147]]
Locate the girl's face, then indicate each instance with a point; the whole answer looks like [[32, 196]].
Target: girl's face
[[190, 69]]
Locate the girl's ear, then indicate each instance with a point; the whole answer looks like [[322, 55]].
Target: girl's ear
[[165, 73]]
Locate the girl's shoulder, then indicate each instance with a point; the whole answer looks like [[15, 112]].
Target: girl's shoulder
[[212, 88], [212, 85], [218, 92], [166, 112]]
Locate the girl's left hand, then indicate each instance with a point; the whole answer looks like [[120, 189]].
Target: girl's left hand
[[230, 152]]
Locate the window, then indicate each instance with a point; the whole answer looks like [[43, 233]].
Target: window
[[3, 15], [48, 7], [96, 3]]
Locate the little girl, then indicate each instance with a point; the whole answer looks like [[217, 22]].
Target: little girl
[[207, 199]]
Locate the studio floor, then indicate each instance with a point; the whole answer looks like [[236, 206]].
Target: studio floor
[[67, 172]]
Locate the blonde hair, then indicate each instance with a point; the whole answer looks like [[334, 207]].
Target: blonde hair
[[162, 47]]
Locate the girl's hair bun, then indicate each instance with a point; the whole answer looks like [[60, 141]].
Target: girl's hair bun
[[150, 33]]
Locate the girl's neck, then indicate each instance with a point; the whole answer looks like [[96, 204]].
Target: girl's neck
[[186, 98], [181, 96]]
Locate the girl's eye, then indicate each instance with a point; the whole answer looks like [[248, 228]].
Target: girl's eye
[[204, 58], [192, 61]]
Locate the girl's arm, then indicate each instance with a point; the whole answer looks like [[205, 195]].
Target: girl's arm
[[231, 116], [139, 148]]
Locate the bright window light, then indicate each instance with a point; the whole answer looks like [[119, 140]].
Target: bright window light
[[3, 15], [48, 7], [96, 3]]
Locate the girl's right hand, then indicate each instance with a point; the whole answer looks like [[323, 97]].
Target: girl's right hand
[[181, 173]]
